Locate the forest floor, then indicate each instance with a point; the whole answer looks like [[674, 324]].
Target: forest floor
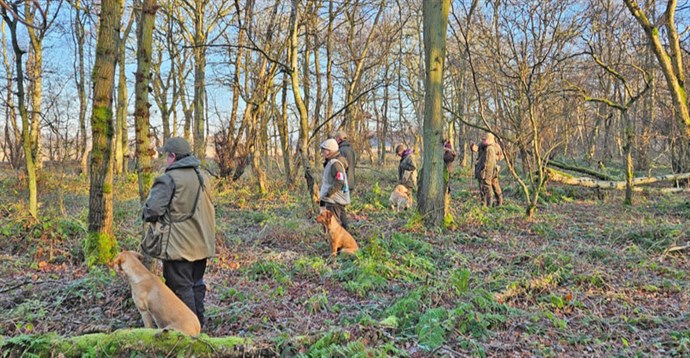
[[586, 277]]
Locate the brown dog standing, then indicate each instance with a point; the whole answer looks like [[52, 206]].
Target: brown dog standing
[[400, 198], [154, 300], [340, 238]]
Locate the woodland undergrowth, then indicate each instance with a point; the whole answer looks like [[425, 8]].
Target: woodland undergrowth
[[588, 276]]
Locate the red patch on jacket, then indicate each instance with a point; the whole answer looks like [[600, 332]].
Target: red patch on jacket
[[340, 176]]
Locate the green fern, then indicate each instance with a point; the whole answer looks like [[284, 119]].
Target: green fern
[[431, 332]]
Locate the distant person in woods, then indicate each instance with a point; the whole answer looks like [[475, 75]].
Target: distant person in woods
[[181, 202], [486, 169], [407, 169], [335, 192], [349, 154], [448, 158]]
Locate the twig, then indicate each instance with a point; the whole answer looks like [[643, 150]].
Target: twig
[[673, 249], [676, 248], [173, 349], [25, 283]]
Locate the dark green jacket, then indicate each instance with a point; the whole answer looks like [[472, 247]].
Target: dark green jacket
[[407, 171], [487, 161], [170, 204], [349, 154]]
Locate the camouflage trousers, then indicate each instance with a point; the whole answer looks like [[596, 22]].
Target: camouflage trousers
[[487, 188]]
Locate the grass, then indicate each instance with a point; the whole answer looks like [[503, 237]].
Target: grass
[[586, 277]]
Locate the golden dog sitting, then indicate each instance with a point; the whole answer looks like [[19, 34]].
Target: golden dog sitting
[[400, 198], [340, 238], [154, 300]]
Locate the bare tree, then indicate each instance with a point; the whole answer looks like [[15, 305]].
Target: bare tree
[[141, 112], [671, 63], [9, 14], [121, 136], [37, 33], [12, 146], [101, 244], [630, 97], [204, 16], [431, 201], [79, 36], [302, 109], [358, 56]]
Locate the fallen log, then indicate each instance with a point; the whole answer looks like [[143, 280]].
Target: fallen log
[[558, 177], [130, 342], [590, 172]]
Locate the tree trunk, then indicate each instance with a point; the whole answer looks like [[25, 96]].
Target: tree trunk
[[14, 142], [101, 246], [329, 68], [647, 120], [36, 94], [23, 113], [187, 109], [384, 125], [199, 51], [236, 84], [317, 75], [304, 120], [142, 105], [560, 177], [671, 64], [283, 131], [121, 114], [629, 137], [80, 79], [431, 194], [255, 152], [121, 137], [557, 164]]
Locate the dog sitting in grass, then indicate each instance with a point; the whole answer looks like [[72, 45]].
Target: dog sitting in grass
[[154, 300], [340, 238], [401, 197]]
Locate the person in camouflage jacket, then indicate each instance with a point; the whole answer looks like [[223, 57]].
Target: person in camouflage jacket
[[407, 169], [486, 169]]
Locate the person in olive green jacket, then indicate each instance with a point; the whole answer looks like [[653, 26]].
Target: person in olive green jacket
[[180, 201], [486, 169]]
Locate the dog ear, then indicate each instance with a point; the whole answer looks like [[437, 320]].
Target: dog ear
[[117, 263]]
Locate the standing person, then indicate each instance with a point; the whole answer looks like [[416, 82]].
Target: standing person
[[335, 193], [181, 202], [407, 169], [486, 170], [349, 154], [448, 158]]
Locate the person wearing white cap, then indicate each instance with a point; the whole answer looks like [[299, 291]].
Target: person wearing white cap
[[335, 193]]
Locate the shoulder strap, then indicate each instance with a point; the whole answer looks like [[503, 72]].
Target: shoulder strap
[[196, 200], [341, 163]]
